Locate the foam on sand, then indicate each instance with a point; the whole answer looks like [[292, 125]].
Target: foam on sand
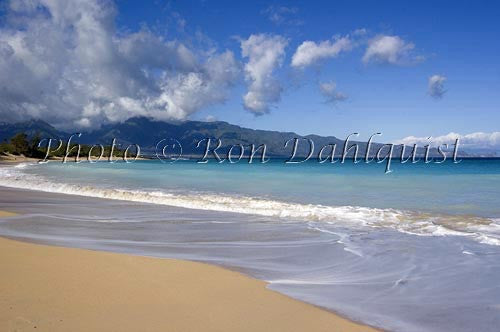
[[484, 230]]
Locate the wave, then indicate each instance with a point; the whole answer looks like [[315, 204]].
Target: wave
[[484, 230]]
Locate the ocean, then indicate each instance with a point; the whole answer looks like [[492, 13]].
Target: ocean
[[417, 249]]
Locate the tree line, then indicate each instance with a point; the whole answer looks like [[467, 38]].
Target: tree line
[[21, 145]]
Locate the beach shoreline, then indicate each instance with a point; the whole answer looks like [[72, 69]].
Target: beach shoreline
[[51, 288], [54, 288], [356, 261]]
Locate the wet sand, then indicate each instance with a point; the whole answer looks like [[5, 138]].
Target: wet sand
[[47, 288]]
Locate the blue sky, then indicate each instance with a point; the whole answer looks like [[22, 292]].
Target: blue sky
[[388, 90], [459, 40]]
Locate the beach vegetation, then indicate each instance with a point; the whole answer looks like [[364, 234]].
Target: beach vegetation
[[21, 145]]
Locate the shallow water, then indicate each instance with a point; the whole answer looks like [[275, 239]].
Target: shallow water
[[414, 250]]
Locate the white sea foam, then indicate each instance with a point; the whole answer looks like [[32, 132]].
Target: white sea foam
[[483, 230], [22, 165]]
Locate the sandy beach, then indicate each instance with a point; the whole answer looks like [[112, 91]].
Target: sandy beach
[[63, 289]]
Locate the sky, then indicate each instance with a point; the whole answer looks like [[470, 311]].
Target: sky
[[406, 70]]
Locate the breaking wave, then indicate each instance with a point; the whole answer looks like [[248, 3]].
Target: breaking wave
[[484, 230]]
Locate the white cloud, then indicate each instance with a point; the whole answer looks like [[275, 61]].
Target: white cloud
[[360, 32], [310, 52], [436, 86], [280, 15], [210, 118], [265, 53], [65, 62], [329, 91], [391, 50], [478, 140]]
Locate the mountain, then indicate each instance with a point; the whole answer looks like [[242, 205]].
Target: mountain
[[30, 128], [147, 133]]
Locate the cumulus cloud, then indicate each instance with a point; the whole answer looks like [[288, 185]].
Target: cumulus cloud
[[65, 62], [390, 49], [436, 86], [330, 93], [478, 140], [310, 52], [265, 53]]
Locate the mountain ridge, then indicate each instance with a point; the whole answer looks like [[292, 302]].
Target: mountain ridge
[[147, 133]]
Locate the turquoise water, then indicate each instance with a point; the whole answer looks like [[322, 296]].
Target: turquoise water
[[417, 249], [471, 187]]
